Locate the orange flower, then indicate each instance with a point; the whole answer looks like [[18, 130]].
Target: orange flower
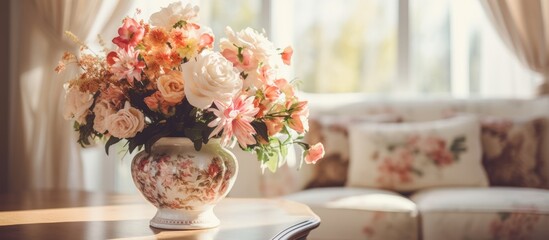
[[156, 37]]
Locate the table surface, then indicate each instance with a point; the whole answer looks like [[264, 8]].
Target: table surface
[[80, 215]]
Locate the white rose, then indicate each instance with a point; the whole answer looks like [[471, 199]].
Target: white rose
[[77, 105], [175, 12], [102, 109], [262, 49], [208, 77], [126, 123]]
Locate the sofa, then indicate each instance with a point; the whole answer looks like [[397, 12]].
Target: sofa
[[485, 174]]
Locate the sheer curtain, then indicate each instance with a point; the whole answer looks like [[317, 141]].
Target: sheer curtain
[[43, 151], [523, 27]]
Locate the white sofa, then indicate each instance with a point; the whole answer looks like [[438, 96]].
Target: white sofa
[[435, 213]]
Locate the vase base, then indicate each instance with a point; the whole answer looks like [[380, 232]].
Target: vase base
[[182, 219]]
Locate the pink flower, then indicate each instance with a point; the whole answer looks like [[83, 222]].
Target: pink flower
[[127, 65], [129, 34], [298, 118], [243, 62], [315, 153], [274, 125], [285, 87], [235, 120], [271, 92], [206, 40], [287, 55]]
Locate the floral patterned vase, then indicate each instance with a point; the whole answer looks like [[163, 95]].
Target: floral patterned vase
[[184, 184]]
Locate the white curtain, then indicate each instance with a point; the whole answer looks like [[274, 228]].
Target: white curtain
[[524, 27], [43, 150]]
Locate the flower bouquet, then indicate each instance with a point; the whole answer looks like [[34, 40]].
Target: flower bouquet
[[164, 79]]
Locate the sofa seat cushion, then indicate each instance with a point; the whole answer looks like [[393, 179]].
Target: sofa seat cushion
[[360, 213], [483, 213]]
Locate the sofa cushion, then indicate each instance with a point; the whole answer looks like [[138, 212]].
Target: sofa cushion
[[511, 151], [411, 156], [332, 132], [491, 213], [360, 213]]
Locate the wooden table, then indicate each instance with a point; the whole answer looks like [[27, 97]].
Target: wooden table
[[80, 215]]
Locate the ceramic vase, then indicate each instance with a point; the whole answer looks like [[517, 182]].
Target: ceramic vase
[[184, 184]]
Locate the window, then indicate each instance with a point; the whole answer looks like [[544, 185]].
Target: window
[[401, 47], [389, 47]]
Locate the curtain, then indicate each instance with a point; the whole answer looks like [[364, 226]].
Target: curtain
[[43, 151], [524, 27]]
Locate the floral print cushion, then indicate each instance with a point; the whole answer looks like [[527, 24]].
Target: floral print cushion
[[360, 213], [411, 156], [493, 213], [511, 151], [332, 132]]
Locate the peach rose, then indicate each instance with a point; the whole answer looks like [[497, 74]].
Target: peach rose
[[77, 105], [314, 153], [126, 123], [171, 87], [102, 109]]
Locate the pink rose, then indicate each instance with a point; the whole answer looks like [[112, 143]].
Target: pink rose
[[287, 55], [129, 34], [171, 87], [126, 123], [314, 153]]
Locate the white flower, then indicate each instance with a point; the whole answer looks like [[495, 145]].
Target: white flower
[[208, 77], [175, 12], [261, 48], [126, 123], [102, 109], [77, 105]]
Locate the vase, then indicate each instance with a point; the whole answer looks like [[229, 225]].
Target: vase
[[184, 184]]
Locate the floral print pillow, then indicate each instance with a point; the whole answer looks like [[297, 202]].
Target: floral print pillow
[[332, 132], [511, 151], [410, 156]]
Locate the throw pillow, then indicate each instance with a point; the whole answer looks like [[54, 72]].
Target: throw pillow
[[411, 156], [511, 151], [332, 132]]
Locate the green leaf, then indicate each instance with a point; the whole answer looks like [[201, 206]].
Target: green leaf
[[272, 162], [197, 144], [458, 146], [153, 139], [179, 24], [112, 140]]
